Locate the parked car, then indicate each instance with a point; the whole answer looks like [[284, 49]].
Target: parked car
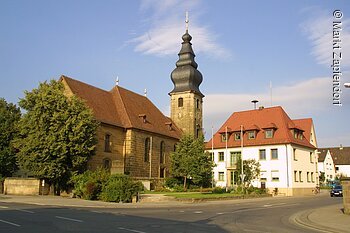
[[337, 190]]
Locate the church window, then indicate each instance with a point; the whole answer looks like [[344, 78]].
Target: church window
[[147, 149], [162, 173], [161, 153], [180, 102], [107, 164], [197, 103], [108, 143]]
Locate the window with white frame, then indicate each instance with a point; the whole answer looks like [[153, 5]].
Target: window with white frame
[[274, 154], [262, 154], [275, 176], [221, 156], [268, 133], [221, 176]]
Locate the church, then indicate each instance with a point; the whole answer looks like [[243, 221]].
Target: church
[[134, 136]]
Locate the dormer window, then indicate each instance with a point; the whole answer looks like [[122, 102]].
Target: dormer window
[[223, 137], [269, 133], [143, 117], [251, 134], [237, 136]]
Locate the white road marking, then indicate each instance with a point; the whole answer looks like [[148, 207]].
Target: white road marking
[[198, 212], [10, 223], [131, 230], [95, 211], [69, 219], [267, 205], [219, 213], [3, 207], [26, 211], [182, 211]]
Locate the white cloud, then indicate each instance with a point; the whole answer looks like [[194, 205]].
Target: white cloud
[[167, 26], [300, 100], [318, 29]]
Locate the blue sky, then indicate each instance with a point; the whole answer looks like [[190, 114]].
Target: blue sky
[[240, 46]]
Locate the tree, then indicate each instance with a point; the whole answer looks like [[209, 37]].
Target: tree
[[57, 134], [251, 170], [9, 116], [191, 161]]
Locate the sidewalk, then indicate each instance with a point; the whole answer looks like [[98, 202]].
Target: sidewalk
[[325, 219], [77, 202]]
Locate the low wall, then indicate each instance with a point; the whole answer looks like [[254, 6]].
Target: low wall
[[22, 186], [345, 181]]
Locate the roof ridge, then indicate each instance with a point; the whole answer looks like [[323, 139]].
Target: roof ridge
[[283, 114], [123, 104], [80, 82]]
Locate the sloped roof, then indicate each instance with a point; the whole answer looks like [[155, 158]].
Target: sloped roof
[[340, 155], [258, 120], [123, 108]]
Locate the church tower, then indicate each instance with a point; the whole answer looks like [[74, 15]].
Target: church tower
[[186, 98]]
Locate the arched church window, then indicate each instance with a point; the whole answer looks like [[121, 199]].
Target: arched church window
[[180, 102], [107, 164], [108, 143], [147, 149], [161, 152], [197, 103]]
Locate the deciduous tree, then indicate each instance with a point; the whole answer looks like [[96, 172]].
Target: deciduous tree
[[57, 134], [191, 161], [9, 116]]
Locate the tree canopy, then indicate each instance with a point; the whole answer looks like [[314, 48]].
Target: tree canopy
[[251, 170], [57, 134], [9, 116], [191, 161]]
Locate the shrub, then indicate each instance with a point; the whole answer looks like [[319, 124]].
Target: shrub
[[172, 182], [120, 188], [89, 184], [219, 190]]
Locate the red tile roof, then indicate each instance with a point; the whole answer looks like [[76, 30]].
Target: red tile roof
[[340, 155], [123, 108], [260, 120]]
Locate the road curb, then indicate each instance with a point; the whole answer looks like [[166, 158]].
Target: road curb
[[302, 219]]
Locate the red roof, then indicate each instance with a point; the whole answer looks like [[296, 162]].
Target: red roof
[[259, 120], [123, 108]]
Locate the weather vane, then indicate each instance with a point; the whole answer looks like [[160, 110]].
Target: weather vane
[[186, 21]]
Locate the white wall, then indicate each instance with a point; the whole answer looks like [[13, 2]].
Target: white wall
[[285, 166], [343, 170]]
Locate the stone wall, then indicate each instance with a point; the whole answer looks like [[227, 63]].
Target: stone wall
[[22, 186], [345, 181]]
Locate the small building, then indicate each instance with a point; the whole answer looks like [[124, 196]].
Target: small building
[[326, 165], [285, 149], [335, 162]]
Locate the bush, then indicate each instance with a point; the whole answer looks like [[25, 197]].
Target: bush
[[89, 184], [120, 188], [219, 190], [172, 182]]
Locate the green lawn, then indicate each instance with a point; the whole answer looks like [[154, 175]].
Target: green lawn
[[197, 195]]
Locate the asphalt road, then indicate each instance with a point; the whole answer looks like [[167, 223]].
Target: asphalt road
[[253, 215]]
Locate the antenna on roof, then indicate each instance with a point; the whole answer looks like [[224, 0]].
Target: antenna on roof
[[117, 81], [186, 21], [271, 93], [254, 102], [145, 92]]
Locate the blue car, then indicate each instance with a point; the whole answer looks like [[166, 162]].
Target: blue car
[[337, 190]]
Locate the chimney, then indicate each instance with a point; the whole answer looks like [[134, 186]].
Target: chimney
[[254, 102]]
